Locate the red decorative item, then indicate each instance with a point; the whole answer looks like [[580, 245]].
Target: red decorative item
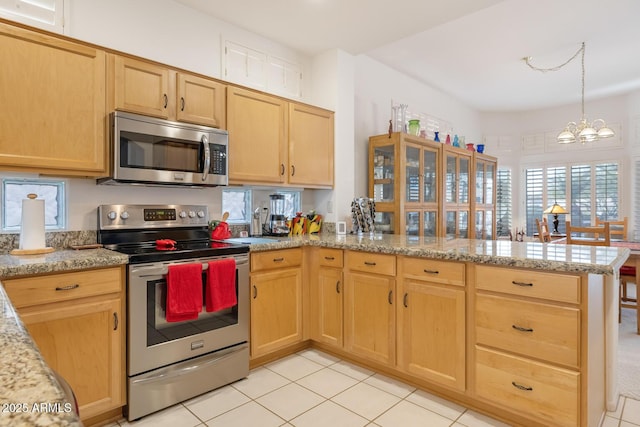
[[221, 231]]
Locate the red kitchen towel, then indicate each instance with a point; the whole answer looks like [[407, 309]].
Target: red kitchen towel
[[184, 292], [221, 285]]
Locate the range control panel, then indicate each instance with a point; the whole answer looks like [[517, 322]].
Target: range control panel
[[151, 216]]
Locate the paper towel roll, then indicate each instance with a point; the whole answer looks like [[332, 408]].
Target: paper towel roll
[[32, 233]]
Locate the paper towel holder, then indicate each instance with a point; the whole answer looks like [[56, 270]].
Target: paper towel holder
[[33, 251]]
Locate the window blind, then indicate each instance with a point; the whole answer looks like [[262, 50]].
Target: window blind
[[503, 202], [534, 183]]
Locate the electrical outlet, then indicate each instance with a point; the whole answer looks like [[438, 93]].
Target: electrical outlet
[[329, 206]]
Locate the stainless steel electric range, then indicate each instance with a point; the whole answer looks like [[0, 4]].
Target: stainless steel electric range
[[171, 361]]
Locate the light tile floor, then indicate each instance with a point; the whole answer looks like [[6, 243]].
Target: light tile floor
[[314, 389]]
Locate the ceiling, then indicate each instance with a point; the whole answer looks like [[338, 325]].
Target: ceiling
[[470, 49]]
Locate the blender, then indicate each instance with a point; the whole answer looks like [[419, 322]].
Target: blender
[[276, 220]]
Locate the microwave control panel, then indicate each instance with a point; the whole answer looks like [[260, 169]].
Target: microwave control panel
[[218, 159]]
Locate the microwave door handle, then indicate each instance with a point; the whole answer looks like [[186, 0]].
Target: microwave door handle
[[207, 157]]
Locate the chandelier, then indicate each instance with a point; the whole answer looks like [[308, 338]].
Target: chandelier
[[582, 131]]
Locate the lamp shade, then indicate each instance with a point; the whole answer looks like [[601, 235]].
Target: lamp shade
[[555, 209]]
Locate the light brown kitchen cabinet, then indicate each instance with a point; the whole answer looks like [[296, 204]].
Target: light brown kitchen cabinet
[[257, 125], [527, 344], [327, 296], [457, 192], [431, 320], [404, 181], [484, 199], [276, 300], [77, 321], [369, 306], [52, 114], [278, 142], [310, 146], [152, 89]]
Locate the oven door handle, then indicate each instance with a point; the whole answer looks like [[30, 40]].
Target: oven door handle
[[187, 367], [147, 271]]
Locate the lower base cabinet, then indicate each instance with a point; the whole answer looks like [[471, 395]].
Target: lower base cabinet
[[76, 319], [276, 300]]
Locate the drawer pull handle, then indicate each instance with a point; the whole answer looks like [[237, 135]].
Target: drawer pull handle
[[329, 258], [67, 288], [369, 263], [115, 321], [521, 283], [255, 292], [431, 271], [521, 387], [521, 329], [390, 298], [278, 259], [405, 300], [338, 287]]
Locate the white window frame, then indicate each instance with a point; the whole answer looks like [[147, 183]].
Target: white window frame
[[233, 219], [48, 15], [504, 201], [11, 204]]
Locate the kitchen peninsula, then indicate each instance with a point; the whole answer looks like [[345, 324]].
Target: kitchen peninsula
[[567, 294]]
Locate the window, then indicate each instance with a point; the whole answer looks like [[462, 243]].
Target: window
[[503, 202], [15, 190], [587, 191], [46, 14], [238, 204]]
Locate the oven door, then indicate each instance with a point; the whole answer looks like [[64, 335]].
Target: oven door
[[153, 342]]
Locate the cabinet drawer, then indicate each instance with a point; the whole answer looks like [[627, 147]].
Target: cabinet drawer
[[543, 331], [271, 260], [371, 263], [555, 287], [330, 257], [536, 389], [29, 291], [451, 273]]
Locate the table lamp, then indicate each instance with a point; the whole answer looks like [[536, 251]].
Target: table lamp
[[555, 209]]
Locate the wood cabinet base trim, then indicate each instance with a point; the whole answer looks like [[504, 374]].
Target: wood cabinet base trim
[[104, 418]]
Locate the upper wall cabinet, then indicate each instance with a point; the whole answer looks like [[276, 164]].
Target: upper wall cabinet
[[272, 141], [53, 109], [151, 89], [310, 146]]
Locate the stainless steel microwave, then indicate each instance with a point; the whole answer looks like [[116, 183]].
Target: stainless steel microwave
[[150, 151]]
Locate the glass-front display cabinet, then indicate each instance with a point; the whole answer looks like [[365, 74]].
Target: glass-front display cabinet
[[404, 181], [484, 201], [456, 183]]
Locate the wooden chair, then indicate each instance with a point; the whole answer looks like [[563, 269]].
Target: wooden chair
[[628, 275], [543, 230], [595, 235], [617, 228]]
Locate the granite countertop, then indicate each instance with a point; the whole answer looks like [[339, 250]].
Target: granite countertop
[[29, 393], [534, 255], [27, 380]]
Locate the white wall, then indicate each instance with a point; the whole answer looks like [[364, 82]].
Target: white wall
[[376, 85], [528, 139]]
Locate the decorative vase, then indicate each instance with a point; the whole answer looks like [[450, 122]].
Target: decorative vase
[[414, 127], [448, 142], [437, 137], [456, 142], [470, 147], [480, 148]]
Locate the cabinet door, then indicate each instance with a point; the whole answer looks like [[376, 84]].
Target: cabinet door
[[141, 87], [310, 146], [431, 332], [200, 101], [329, 300], [83, 343], [257, 131], [276, 310], [52, 114], [369, 316]]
